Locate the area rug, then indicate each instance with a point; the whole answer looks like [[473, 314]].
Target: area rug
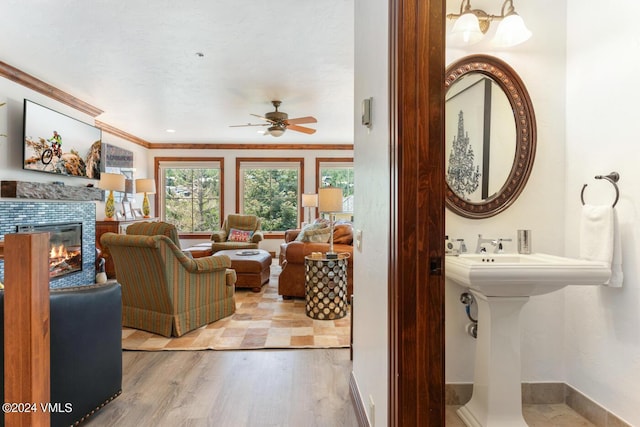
[[262, 320]]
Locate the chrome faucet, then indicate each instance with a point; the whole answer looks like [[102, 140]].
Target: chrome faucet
[[480, 248], [496, 243], [499, 249]]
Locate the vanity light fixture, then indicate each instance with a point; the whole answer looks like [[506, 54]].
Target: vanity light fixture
[[472, 24]]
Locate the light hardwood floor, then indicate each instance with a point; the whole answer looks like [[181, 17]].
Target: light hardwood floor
[[232, 388]]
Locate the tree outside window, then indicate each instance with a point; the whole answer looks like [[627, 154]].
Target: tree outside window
[[271, 192], [192, 198], [338, 174]]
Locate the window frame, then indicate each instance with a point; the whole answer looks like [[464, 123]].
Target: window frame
[[298, 161], [178, 162], [321, 161]]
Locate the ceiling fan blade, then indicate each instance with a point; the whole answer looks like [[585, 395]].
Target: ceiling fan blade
[[301, 120], [302, 129], [264, 118], [250, 124]]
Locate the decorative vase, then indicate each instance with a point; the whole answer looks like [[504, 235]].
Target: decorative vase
[[110, 206], [145, 206]]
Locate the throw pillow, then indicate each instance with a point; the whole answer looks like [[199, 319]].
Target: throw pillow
[[321, 235], [308, 228], [343, 234], [236, 235]]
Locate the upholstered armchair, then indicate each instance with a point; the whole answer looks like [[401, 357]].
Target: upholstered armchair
[[163, 290], [237, 232], [154, 228]]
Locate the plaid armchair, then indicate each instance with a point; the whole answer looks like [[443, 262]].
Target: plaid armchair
[[237, 232], [166, 292]]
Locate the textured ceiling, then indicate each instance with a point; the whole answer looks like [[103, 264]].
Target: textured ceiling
[[139, 62]]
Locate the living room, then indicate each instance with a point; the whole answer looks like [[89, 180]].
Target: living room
[[227, 148]]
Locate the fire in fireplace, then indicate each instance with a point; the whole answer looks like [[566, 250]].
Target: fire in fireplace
[[65, 255]]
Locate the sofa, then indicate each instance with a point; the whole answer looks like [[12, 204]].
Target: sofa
[[85, 349], [291, 282]]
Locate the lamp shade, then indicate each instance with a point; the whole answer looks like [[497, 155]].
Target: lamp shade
[[309, 200], [112, 182], [511, 31], [330, 199], [146, 185], [466, 30]]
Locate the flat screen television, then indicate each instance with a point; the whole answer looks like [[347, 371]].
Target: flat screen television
[[59, 144]]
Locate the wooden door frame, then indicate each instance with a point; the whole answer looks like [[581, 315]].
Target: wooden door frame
[[416, 276]]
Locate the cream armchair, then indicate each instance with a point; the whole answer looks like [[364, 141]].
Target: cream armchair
[[237, 232]]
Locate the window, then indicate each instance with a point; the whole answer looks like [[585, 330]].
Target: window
[[337, 173], [191, 194], [270, 189]]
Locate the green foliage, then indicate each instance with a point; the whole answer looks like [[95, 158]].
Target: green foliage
[[272, 195], [192, 199], [338, 177]]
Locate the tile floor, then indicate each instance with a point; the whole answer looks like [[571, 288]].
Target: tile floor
[[556, 415]]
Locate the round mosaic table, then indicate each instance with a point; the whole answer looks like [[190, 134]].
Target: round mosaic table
[[326, 288]]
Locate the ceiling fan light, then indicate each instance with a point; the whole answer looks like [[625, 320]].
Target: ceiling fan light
[[466, 30], [276, 131], [511, 31]]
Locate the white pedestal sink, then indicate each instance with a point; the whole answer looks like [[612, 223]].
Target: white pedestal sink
[[502, 284]]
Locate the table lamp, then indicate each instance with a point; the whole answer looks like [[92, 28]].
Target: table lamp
[[146, 186], [112, 182], [309, 201], [330, 201]]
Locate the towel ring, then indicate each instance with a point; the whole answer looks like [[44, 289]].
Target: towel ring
[[613, 177]]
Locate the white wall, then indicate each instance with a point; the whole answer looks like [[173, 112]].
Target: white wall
[[580, 81], [602, 325], [540, 64], [372, 181]]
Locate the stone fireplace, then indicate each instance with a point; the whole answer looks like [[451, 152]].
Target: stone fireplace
[[71, 224]]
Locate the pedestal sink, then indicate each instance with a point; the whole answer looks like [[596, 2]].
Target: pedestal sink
[[502, 284]]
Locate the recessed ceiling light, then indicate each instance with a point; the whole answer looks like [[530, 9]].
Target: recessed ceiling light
[[171, 130]]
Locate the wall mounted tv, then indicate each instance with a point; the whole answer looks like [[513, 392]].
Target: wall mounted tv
[[59, 144]]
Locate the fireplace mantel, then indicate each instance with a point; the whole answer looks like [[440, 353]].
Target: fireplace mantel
[[49, 191]]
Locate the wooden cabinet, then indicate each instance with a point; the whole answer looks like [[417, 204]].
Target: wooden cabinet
[[115, 226]]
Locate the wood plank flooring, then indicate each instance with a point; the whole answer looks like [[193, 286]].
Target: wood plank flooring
[[232, 388]]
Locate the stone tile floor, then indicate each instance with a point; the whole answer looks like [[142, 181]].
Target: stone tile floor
[[551, 415]]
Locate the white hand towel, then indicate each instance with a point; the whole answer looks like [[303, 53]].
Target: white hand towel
[[600, 239]]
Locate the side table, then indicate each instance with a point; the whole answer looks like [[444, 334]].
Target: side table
[[326, 287]]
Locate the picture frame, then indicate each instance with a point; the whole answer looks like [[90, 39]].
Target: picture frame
[[126, 208], [119, 216], [137, 213]]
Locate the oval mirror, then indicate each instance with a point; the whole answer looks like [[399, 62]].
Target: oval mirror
[[490, 136]]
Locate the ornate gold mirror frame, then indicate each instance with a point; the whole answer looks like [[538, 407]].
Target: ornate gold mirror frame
[[525, 124]]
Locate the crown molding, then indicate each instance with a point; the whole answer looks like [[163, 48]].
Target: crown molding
[[38, 85], [122, 134], [229, 146]]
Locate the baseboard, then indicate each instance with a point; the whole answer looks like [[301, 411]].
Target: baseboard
[[358, 403], [546, 393]]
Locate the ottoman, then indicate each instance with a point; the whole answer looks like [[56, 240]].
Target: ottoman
[[200, 250], [252, 266]]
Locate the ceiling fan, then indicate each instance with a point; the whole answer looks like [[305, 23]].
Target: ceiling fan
[[279, 122]]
